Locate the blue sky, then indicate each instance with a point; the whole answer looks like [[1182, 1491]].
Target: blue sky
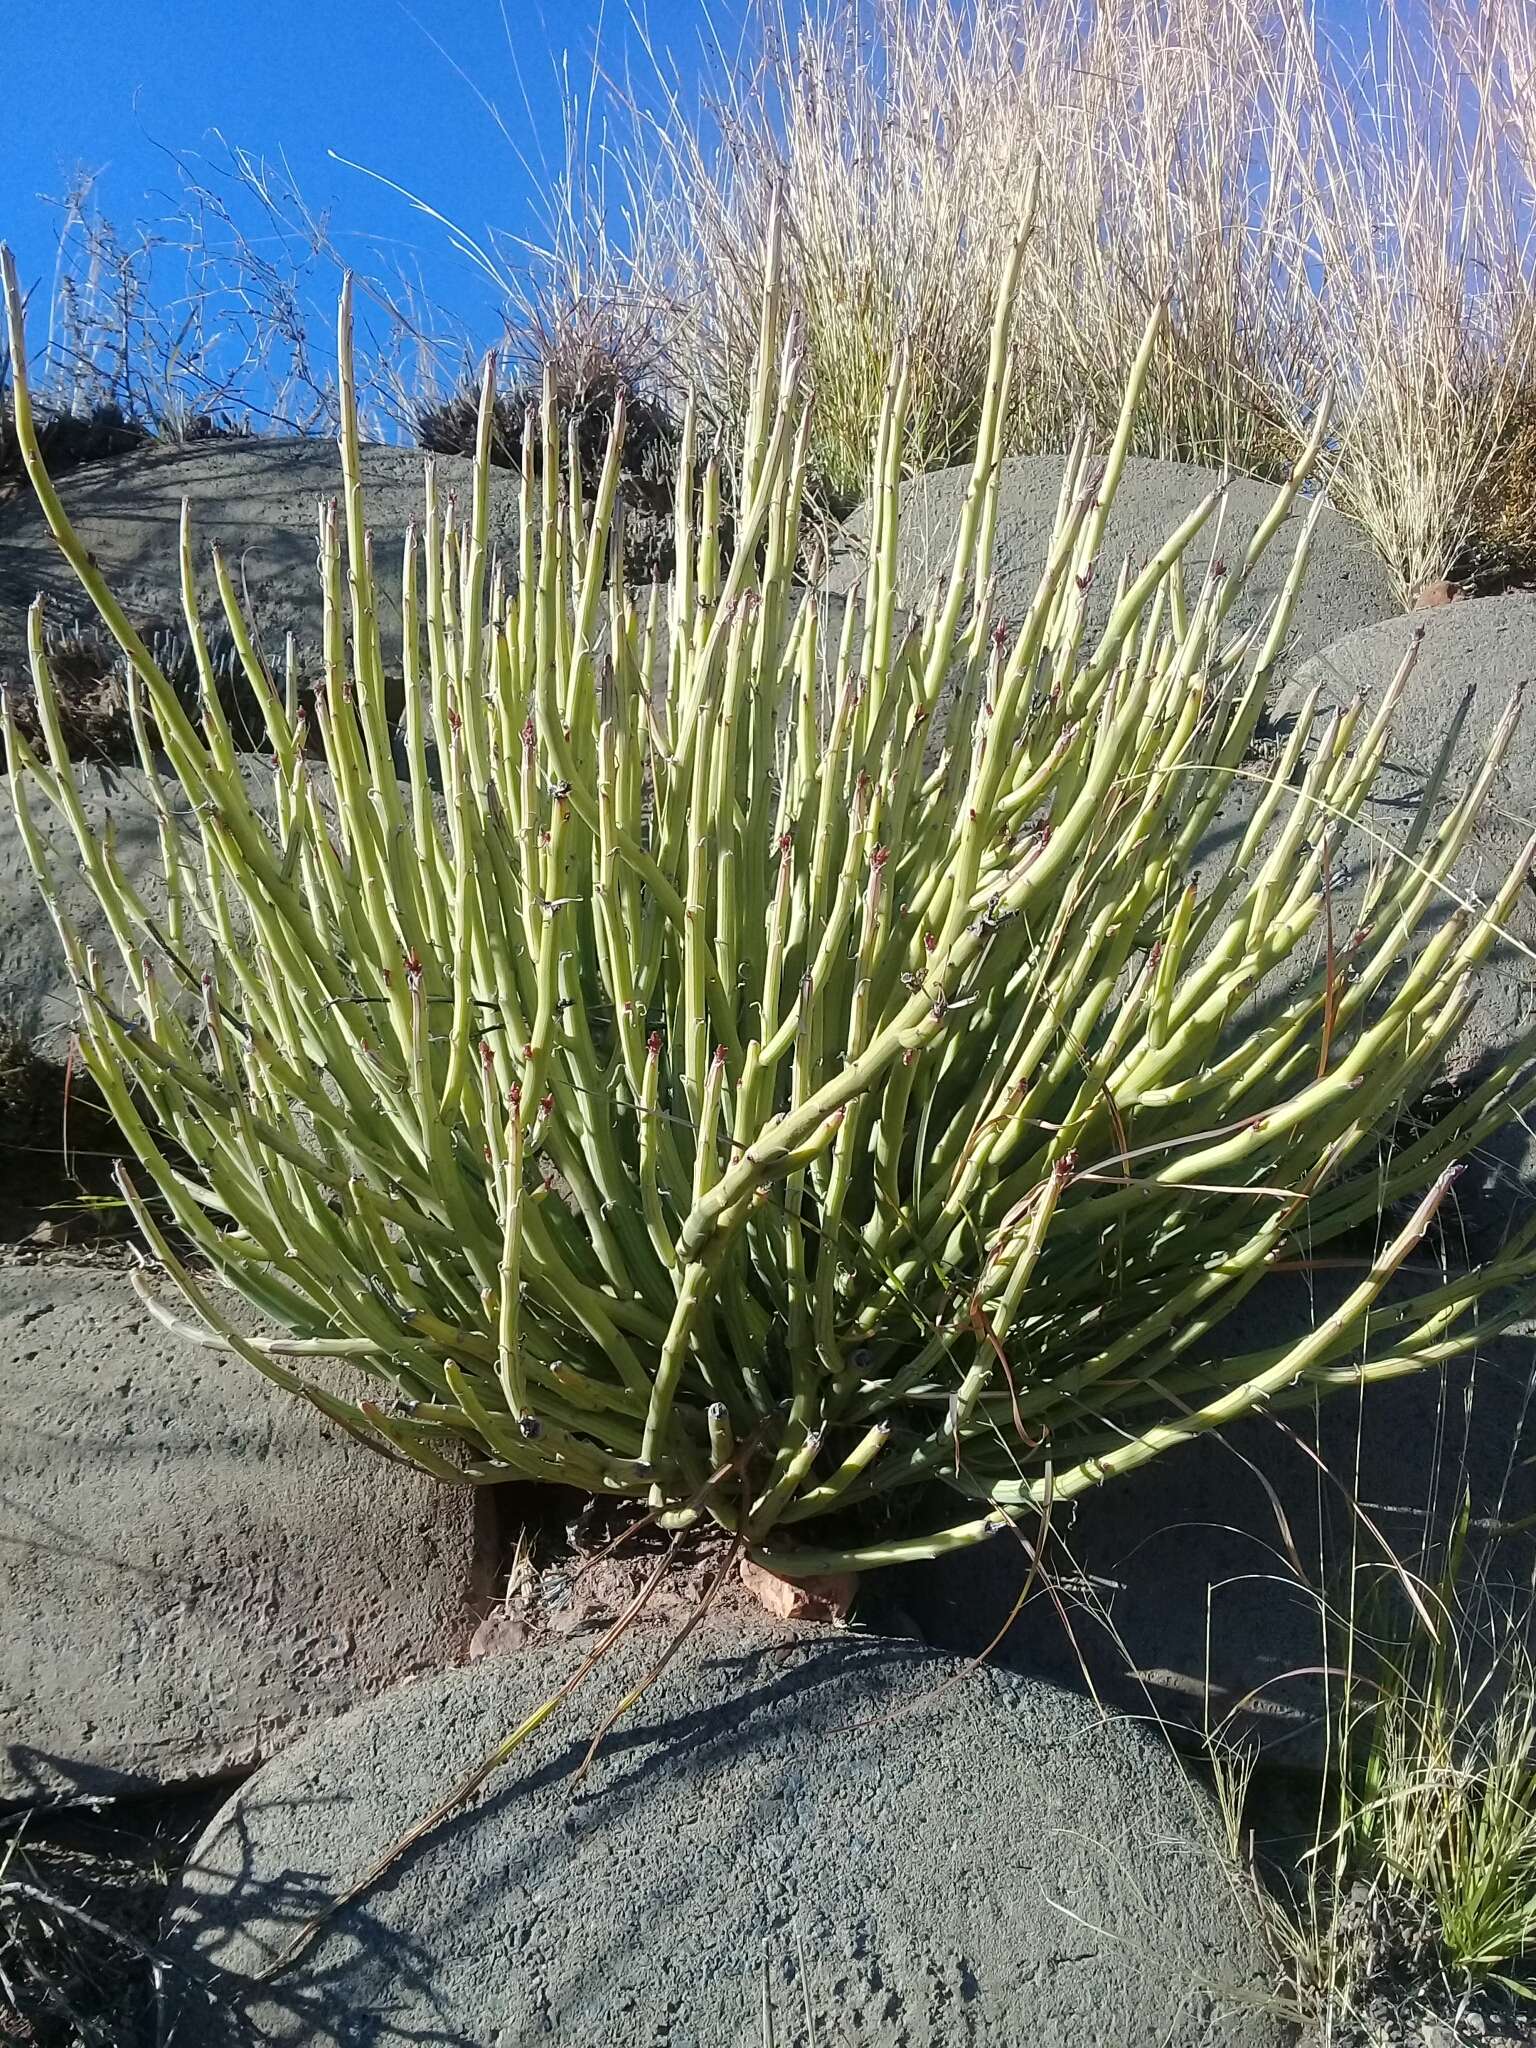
[[124, 87], [120, 86]]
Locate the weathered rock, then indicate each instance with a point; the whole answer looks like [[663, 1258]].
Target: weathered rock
[[37, 998], [1473, 658], [193, 1566], [1207, 1588], [959, 1856], [259, 499], [1346, 586]]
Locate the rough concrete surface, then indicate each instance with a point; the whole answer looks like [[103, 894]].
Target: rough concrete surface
[[193, 1565], [1346, 584], [258, 499], [961, 1857]]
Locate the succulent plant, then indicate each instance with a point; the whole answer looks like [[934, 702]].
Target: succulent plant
[[794, 1072]]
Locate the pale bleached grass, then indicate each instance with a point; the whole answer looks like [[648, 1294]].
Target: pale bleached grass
[[1412, 192], [1357, 218]]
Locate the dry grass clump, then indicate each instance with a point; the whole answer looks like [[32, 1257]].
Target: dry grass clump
[[1352, 212], [449, 426], [192, 326], [1500, 553], [891, 194], [1412, 192], [127, 362], [197, 323], [24, 1094], [81, 1895], [70, 439], [1317, 216], [92, 682]]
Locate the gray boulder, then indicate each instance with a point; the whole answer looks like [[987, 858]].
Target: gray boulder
[[37, 998], [1473, 659], [958, 1856], [194, 1566], [1200, 1587], [1207, 1590], [258, 499], [1347, 585]]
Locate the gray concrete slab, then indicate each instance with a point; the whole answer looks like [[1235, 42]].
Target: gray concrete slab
[[194, 1567], [1347, 585], [959, 1856]]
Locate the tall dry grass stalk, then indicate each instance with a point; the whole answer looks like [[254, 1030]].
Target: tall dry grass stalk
[[1412, 189], [1358, 217]]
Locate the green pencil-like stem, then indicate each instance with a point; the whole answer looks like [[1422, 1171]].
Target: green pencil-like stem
[[799, 1070]]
